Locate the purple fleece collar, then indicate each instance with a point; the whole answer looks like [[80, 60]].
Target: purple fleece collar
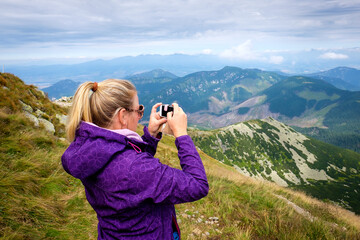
[[125, 132]]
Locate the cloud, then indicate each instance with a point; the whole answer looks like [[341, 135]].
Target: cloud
[[333, 56], [82, 26], [276, 59], [207, 51], [243, 51], [246, 52]]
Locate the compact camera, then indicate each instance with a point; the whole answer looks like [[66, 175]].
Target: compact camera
[[164, 109]]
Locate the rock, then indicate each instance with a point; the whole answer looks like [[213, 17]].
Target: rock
[[42, 93], [199, 220], [25, 107], [48, 125], [32, 118], [64, 101], [214, 219], [39, 113], [62, 118], [196, 232]]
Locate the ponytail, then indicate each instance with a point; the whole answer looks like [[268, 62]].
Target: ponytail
[[97, 103]]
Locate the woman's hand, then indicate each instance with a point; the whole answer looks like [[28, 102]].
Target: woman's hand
[[155, 122], [177, 121]]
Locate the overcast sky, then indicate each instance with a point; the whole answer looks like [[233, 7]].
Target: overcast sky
[[233, 28]]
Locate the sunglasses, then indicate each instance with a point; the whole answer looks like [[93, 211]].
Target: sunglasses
[[140, 111]]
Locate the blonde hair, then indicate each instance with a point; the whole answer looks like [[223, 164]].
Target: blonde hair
[[99, 106]]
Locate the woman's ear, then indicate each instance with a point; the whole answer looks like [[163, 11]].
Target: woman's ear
[[123, 118]]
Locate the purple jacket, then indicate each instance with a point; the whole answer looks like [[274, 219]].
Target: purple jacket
[[132, 192]]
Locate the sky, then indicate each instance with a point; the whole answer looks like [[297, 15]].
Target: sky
[[259, 30]]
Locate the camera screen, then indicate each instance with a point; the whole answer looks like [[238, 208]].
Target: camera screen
[[164, 109]]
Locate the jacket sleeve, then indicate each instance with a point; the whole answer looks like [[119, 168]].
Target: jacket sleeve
[[153, 180], [151, 142]]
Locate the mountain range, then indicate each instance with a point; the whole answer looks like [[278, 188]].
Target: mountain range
[[219, 98], [215, 99], [270, 150], [214, 91], [341, 77], [98, 70], [45, 74]]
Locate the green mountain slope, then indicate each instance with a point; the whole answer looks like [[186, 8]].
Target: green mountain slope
[[341, 77], [268, 149], [304, 102], [215, 91], [148, 83], [314, 106], [63, 88], [307, 97], [154, 76], [39, 200]]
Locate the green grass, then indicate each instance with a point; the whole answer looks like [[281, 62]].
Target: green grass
[[317, 95], [36, 195]]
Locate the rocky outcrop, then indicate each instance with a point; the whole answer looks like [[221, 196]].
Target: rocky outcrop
[[62, 118], [37, 117], [64, 101], [47, 125]]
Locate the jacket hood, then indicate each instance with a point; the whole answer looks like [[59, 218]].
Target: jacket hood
[[92, 149]]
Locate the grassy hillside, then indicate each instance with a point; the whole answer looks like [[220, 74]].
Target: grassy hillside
[[39, 200], [268, 149], [16, 97]]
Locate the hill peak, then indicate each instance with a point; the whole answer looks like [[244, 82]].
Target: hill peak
[[155, 73]]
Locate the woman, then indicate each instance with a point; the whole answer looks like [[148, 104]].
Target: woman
[[132, 192]]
